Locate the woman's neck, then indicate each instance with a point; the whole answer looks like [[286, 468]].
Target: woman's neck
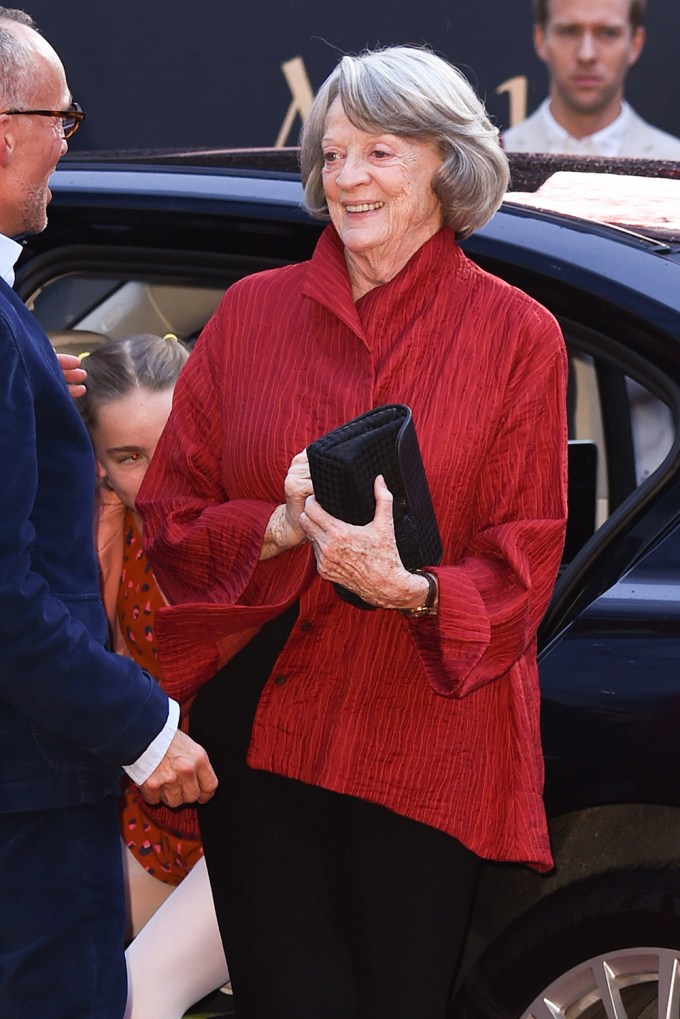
[[375, 267]]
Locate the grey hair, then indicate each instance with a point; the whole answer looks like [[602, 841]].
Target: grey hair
[[142, 361], [413, 93], [17, 62]]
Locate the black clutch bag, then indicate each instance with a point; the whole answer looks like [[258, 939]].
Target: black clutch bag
[[344, 464]]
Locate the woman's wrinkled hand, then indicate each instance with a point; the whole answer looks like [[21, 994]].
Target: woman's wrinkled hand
[[283, 530], [363, 559]]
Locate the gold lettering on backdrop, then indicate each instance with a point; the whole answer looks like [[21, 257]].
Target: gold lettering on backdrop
[[295, 74], [516, 88]]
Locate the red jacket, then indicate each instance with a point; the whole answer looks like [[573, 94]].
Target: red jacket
[[438, 718]]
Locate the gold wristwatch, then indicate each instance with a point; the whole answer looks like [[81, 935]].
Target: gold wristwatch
[[429, 608]]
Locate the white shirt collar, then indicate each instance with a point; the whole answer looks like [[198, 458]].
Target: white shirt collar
[[606, 142], [9, 255]]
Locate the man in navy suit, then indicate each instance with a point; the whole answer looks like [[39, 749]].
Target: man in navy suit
[[71, 713]]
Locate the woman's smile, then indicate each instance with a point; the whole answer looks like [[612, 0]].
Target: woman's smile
[[364, 207], [378, 188]]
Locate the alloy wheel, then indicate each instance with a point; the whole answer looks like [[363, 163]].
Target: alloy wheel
[[634, 983]]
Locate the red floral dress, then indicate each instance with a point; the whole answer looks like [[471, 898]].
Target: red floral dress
[[165, 841]]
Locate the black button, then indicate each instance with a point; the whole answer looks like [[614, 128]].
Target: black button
[[306, 626], [280, 679]]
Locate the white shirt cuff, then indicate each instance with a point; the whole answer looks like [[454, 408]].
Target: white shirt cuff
[[145, 765]]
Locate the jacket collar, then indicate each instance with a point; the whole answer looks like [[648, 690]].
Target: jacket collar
[[327, 281]]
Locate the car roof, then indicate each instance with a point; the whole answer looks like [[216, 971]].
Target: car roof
[[649, 205], [637, 194]]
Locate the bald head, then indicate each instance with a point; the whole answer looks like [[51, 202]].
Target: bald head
[[25, 57], [20, 17]]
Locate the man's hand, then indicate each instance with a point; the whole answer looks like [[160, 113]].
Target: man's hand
[[185, 775], [74, 373]]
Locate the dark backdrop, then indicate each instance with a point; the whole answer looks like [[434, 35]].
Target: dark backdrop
[[171, 73]]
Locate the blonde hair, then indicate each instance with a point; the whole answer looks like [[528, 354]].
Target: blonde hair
[[143, 361]]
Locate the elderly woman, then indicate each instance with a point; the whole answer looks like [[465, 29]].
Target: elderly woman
[[367, 759]]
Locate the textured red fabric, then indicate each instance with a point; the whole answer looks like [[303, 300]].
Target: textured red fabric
[[438, 719]]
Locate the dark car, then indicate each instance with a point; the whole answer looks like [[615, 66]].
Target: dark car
[[150, 244]]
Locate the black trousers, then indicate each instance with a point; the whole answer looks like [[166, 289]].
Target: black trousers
[[62, 913], [330, 907]]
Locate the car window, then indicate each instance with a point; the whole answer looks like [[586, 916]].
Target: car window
[[115, 308], [620, 433], [652, 428]]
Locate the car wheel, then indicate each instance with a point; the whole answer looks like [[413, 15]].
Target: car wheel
[[607, 947]]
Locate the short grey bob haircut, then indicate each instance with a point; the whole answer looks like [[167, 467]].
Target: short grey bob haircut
[[411, 92]]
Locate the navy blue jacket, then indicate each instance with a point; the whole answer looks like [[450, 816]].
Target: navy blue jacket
[[71, 712]]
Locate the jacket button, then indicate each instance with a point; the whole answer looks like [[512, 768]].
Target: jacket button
[[280, 679], [305, 626]]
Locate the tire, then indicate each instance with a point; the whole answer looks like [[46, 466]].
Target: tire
[[607, 947]]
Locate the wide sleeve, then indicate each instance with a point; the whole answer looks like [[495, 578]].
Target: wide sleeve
[[203, 544], [492, 599]]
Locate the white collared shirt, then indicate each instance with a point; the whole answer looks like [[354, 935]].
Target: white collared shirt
[[9, 256], [147, 763], [606, 142]]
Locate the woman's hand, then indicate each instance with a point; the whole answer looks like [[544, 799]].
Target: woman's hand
[[74, 373], [283, 530], [364, 559]]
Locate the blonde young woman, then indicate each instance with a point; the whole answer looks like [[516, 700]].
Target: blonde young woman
[[125, 403]]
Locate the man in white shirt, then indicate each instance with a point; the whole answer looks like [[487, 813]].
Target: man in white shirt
[[588, 47], [72, 714]]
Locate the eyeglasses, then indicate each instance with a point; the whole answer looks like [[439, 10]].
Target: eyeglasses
[[71, 119]]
